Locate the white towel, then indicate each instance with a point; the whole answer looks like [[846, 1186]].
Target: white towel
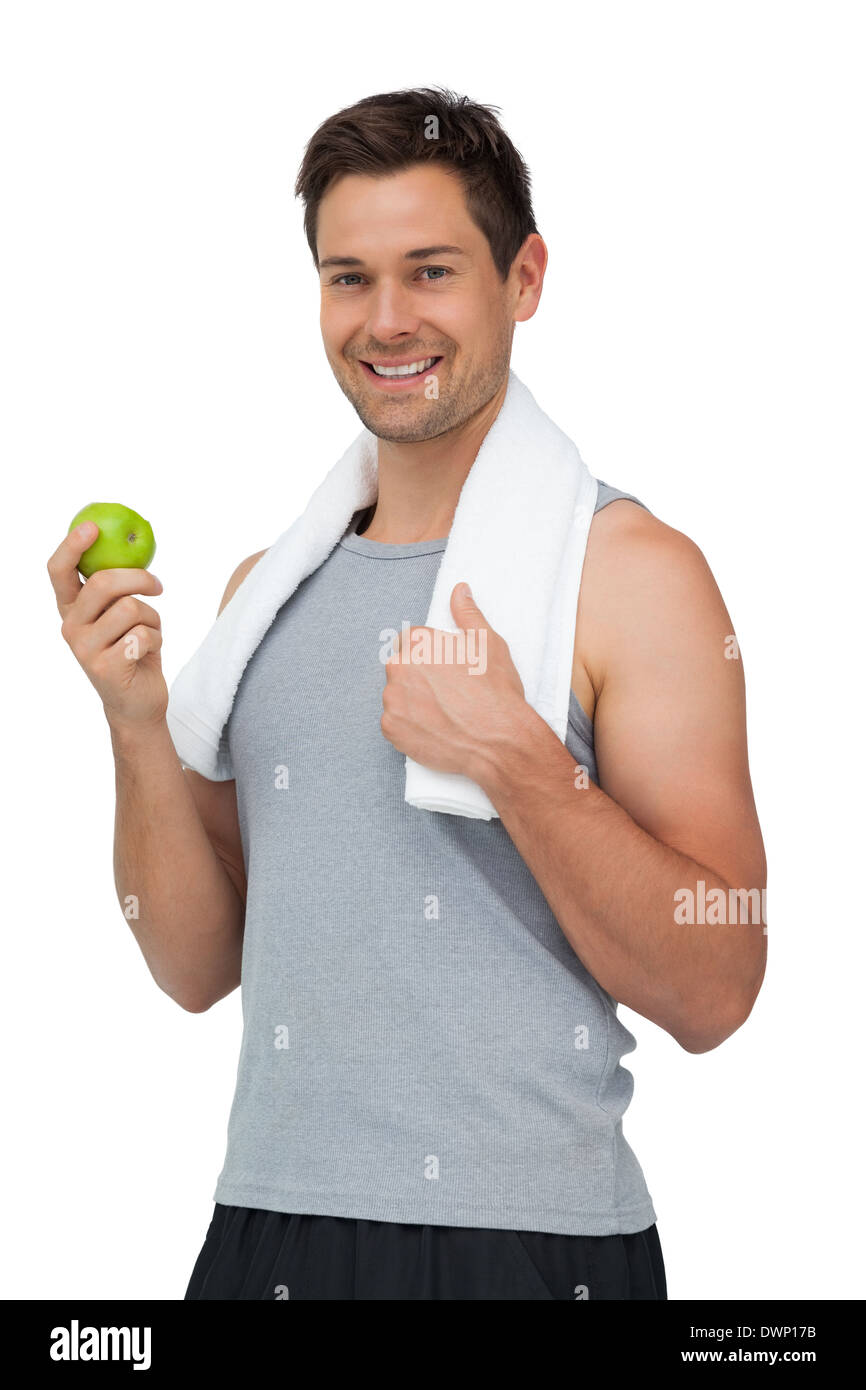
[[518, 539]]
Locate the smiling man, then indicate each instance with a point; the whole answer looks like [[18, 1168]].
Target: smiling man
[[430, 1094]]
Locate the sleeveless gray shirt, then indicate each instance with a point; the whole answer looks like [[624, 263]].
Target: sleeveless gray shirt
[[421, 1043]]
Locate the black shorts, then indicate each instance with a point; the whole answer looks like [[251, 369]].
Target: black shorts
[[270, 1255]]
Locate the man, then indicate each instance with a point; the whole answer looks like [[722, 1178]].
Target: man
[[429, 1099]]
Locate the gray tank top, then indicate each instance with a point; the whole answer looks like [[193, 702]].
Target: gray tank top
[[421, 1043]]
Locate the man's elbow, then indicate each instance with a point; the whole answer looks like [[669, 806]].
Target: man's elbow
[[191, 999], [196, 987], [703, 1039], [715, 1025], [195, 1001], [195, 1004]]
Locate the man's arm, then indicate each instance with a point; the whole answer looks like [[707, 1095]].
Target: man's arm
[[177, 838], [675, 802], [178, 857], [187, 885], [674, 806]]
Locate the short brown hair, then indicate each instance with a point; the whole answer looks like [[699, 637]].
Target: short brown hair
[[387, 133]]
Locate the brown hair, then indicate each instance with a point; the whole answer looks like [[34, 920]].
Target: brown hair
[[387, 133]]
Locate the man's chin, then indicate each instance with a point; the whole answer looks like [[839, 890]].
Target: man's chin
[[400, 432], [399, 422]]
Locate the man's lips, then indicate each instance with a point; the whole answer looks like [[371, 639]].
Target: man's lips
[[399, 382]]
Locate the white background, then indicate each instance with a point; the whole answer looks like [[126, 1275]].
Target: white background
[[697, 175]]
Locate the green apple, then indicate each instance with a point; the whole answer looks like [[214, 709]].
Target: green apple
[[125, 539]]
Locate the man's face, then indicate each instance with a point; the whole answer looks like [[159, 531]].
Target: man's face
[[390, 299]]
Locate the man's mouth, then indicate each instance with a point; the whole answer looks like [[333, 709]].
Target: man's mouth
[[400, 373]]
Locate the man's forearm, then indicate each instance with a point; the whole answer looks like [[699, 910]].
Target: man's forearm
[[611, 887], [177, 896]]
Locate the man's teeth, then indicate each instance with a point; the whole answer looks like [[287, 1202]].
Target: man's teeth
[[411, 370]]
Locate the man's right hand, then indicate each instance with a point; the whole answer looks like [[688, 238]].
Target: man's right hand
[[114, 636]]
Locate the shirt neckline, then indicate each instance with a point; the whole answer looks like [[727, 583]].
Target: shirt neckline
[[385, 550]]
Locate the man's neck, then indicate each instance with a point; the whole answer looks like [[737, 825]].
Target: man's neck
[[420, 484]]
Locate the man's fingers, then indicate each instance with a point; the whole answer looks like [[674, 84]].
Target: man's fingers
[[117, 620], [114, 665], [63, 565], [432, 646], [136, 643], [104, 587]]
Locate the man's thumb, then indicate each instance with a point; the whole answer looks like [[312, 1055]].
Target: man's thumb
[[465, 609]]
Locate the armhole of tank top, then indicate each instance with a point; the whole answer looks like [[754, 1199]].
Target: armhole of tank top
[[586, 727]]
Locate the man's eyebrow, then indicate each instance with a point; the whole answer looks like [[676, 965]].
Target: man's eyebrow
[[420, 254], [425, 251]]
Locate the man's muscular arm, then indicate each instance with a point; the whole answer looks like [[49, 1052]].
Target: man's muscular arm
[[177, 847], [674, 804], [178, 862], [675, 801]]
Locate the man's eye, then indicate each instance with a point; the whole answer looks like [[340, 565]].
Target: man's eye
[[351, 278]]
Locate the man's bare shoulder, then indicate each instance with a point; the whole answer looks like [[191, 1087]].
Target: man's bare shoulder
[[639, 576], [240, 575], [623, 533]]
